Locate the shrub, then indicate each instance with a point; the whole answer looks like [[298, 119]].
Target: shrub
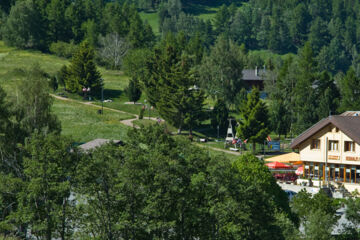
[[63, 49], [141, 115]]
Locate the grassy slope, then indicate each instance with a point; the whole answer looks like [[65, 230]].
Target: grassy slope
[[78, 120], [84, 123]]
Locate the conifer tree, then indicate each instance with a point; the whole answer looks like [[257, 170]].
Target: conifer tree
[[82, 72], [254, 124], [304, 93], [328, 96], [133, 90], [219, 117], [350, 91], [171, 86]]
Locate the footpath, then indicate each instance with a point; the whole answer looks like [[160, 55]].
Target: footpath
[[129, 122]]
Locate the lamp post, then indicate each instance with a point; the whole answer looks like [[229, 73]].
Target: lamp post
[[102, 96]]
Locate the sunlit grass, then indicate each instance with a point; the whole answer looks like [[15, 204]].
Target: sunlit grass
[[83, 122]]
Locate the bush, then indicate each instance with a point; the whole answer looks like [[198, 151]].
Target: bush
[[141, 115], [63, 49]]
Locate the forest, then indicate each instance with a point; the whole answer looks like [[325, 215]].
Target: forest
[[186, 58]]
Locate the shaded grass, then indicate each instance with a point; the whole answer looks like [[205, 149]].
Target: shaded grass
[[83, 123], [13, 61], [147, 122], [153, 19]]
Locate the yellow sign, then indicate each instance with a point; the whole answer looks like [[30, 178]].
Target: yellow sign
[[333, 157], [353, 158]]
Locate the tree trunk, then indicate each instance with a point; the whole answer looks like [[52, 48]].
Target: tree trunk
[[63, 220]]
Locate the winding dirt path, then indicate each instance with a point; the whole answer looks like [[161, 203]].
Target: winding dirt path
[[129, 122]]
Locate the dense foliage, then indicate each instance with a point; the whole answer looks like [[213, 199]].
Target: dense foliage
[[153, 187]]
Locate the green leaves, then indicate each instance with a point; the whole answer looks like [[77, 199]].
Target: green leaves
[[254, 119], [171, 85], [82, 72]]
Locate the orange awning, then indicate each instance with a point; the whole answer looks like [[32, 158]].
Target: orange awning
[[285, 158]]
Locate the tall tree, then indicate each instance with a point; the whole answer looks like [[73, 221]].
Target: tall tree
[[113, 49], [58, 27], [34, 104], [221, 71], [318, 35], [328, 95], [171, 86], [254, 122], [350, 91], [219, 115], [82, 72], [133, 90], [135, 64], [44, 202], [24, 27], [304, 94]]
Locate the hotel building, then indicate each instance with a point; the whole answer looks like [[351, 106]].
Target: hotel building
[[330, 150]]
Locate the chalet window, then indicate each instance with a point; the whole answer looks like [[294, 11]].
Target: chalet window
[[349, 146], [333, 145], [315, 144]]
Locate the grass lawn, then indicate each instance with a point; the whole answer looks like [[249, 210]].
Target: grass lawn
[[14, 61], [153, 19], [83, 123], [147, 122]]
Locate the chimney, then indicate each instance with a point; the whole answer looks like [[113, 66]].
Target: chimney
[[256, 71]]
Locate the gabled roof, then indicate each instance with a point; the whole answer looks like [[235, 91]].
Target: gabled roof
[[351, 113], [349, 125], [250, 74]]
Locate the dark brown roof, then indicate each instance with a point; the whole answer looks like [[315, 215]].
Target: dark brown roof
[[350, 113], [350, 125]]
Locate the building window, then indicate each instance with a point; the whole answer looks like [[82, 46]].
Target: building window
[[349, 146], [315, 144], [333, 145]]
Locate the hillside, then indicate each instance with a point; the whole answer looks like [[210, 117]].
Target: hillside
[[78, 120]]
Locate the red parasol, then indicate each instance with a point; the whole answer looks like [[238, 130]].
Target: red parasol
[[277, 165], [299, 171]]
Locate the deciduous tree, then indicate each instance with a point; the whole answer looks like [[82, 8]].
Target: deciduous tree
[[221, 71], [24, 27], [113, 49]]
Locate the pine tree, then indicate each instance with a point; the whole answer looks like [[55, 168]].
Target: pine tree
[[133, 90], [82, 72], [219, 116], [328, 95], [171, 86], [304, 94], [350, 91], [254, 123]]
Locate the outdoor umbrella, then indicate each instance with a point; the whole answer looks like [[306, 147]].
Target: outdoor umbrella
[[299, 171], [277, 165]]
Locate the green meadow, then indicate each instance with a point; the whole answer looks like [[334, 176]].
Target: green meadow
[[80, 121], [83, 123]]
